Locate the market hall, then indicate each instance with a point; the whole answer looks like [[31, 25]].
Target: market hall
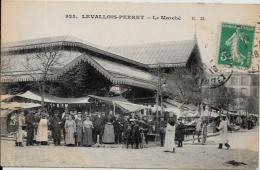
[[131, 73]]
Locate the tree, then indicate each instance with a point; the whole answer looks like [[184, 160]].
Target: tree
[[185, 84], [39, 67], [221, 97]]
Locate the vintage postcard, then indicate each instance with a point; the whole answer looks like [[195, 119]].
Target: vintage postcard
[[129, 85]]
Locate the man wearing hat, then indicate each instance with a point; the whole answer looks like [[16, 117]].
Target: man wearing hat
[[179, 134], [30, 125], [56, 128]]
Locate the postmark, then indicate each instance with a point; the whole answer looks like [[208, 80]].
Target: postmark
[[236, 45]]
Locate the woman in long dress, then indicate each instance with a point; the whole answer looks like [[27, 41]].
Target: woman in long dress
[[42, 130], [70, 129], [79, 128], [109, 134], [169, 145], [87, 132], [223, 130]]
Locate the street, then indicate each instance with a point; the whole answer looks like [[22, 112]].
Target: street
[[244, 148]]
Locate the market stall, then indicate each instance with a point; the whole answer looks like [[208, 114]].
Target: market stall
[[7, 109]]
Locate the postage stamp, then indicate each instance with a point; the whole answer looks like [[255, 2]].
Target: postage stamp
[[236, 44]]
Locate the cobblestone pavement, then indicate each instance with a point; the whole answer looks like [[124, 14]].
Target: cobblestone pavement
[[191, 156]]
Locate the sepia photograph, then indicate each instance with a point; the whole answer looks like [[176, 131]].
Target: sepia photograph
[[129, 85]]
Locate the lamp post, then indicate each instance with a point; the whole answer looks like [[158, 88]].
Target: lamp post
[[158, 95]]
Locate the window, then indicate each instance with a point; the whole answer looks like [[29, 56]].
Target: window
[[244, 80], [255, 92], [233, 80], [255, 80]]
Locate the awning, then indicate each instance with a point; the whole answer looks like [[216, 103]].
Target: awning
[[121, 103], [109, 99], [172, 109], [6, 108], [129, 107], [189, 107], [16, 105], [174, 103], [54, 99], [256, 115]]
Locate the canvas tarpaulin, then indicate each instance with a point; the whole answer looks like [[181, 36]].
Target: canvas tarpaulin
[[6, 108], [120, 102], [129, 107], [54, 99]]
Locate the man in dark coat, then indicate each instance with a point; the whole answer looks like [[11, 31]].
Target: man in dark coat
[[129, 136], [30, 124], [64, 117], [179, 133], [99, 123], [118, 129], [56, 129], [136, 135]]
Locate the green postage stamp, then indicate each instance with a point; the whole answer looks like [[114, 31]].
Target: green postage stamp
[[236, 43]]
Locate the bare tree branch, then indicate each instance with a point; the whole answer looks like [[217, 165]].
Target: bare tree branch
[[39, 66]]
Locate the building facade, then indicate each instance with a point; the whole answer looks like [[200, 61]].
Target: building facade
[[245, 86]]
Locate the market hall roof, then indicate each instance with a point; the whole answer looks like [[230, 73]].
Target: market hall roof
[[121, 65], [167, 54], [116, 72]]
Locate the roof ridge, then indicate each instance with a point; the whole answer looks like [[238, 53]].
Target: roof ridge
[[151, 43], [33, 41]]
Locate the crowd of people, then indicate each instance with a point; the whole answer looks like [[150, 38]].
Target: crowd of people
[[82, 129], [75, 128]]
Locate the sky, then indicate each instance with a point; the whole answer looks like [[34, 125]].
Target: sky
[[31, 19]]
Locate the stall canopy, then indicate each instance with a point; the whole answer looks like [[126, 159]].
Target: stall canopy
[[53, 99], [129, 107], [6, 108], [16, 105], [172, 109], [109, 99], [120, 102]]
